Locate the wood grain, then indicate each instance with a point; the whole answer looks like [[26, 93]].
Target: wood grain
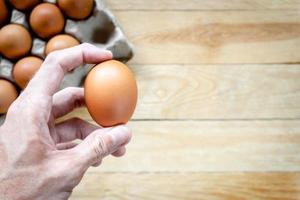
[[209, 146], [216, 92], [218, 115], [213, 37], [189, 186], [202, 4]]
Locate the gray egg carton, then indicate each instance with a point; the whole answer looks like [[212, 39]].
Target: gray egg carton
[[100, 28]]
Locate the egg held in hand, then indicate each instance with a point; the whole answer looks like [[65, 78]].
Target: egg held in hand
[[110, 93]]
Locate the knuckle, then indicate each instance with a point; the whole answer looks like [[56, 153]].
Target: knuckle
[[97, 164], [55, 60], [108, 141], [52, 57], [85, 45], [101, 146]]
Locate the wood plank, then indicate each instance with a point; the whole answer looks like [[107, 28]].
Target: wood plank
[[216, 92], [213, 37], [209, 146], [202, 4], [189, 186]]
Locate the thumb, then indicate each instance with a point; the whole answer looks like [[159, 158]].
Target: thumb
[[101, 143]]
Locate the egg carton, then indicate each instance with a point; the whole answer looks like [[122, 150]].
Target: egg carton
[[100, 28]]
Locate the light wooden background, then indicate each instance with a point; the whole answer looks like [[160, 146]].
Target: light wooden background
[[218, 115]]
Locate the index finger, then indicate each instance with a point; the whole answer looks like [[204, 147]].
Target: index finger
[[48, 79]]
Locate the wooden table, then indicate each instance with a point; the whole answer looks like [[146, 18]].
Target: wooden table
[[218, 115]]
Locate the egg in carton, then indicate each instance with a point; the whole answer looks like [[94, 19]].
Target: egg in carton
[[100, 28]]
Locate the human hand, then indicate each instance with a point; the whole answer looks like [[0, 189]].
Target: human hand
[[37, 157]]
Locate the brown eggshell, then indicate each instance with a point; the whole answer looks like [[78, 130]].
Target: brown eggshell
[[25, 69], [76, 9], [3, 12], [58, 42], [24, 4], [15, 41], [110, 93], [46, 20], [8, 94]]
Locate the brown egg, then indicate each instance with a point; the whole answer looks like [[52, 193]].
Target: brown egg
[[25, 69], [24, 4], [76, 9], [110, 93], [15, 41], [3, 12], [8, 94], [46, 20], [58, 42]]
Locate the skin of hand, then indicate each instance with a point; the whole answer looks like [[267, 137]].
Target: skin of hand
[[38, 159]]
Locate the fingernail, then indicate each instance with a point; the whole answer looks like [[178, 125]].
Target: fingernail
[[109, 53]]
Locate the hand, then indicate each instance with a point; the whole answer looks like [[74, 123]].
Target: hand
[[37, 157]]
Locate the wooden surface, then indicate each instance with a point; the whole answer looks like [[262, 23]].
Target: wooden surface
[[225, 186], [218, 115], [203, 4], [217, 92], [193, 146], [185, 37]]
